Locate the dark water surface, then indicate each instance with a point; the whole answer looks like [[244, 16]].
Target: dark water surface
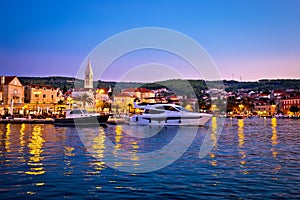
[[252, 159]]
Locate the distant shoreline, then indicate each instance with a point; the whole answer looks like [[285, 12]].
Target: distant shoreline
[[230, 85], [247, 81]]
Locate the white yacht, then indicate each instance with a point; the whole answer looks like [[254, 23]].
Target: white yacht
[[168, 114]]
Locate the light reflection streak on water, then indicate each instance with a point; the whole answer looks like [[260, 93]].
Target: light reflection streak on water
[[274, 137], [213, 138], [7, 138], [117, 146], [68, 153], [119, 151], [241, 139], [134, 151], [274, 143], [35, 146], [1, 152], [98, 147], [22, 142]]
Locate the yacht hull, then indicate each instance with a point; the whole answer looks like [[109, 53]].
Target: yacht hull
[[197, 120], [82, 121]]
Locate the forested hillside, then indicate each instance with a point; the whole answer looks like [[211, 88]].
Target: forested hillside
[[197, 85]]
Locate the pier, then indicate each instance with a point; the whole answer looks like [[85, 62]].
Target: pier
[[27, 121]]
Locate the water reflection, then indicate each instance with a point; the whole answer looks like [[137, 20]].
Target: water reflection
[[274, 137], [68, 148], [241, 135], [22, 142], [118, 146], [274, 143], [7, 138], [49, 152], [133, 153], [98, 147], [241, 139], [68, 152], [35, 146], [125, 149], [213, 137]]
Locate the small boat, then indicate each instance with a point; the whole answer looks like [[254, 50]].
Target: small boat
[[168, 114], [80, 117]]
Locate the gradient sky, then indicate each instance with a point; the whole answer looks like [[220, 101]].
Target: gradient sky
[[250, 39]]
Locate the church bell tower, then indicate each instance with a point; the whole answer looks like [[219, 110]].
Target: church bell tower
[[88, 78]]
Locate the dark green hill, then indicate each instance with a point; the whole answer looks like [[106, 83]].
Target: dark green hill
[[264, 85], [55, 81], [197, 85]]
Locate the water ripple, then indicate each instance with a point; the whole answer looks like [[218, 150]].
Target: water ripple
[[252, 159]]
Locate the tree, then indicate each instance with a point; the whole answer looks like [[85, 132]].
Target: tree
[[86, 99], [294, 109], [60, 102], [64, 89], [102, 104], [232, 104]]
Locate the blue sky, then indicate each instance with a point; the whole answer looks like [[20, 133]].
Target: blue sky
[[249, 39]]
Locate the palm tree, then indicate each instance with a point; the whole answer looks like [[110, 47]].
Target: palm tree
[[86, 99]]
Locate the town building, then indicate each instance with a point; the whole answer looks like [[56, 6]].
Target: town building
[[285, 104], [11, 95], [42, 98], [262, 108], [12, 89], [123, 103], [143, 94]]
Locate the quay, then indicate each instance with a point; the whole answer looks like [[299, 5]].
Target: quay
[[115, 121], [27, 121], [110, 121]]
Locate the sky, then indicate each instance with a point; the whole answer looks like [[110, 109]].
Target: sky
[[247, 40]]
